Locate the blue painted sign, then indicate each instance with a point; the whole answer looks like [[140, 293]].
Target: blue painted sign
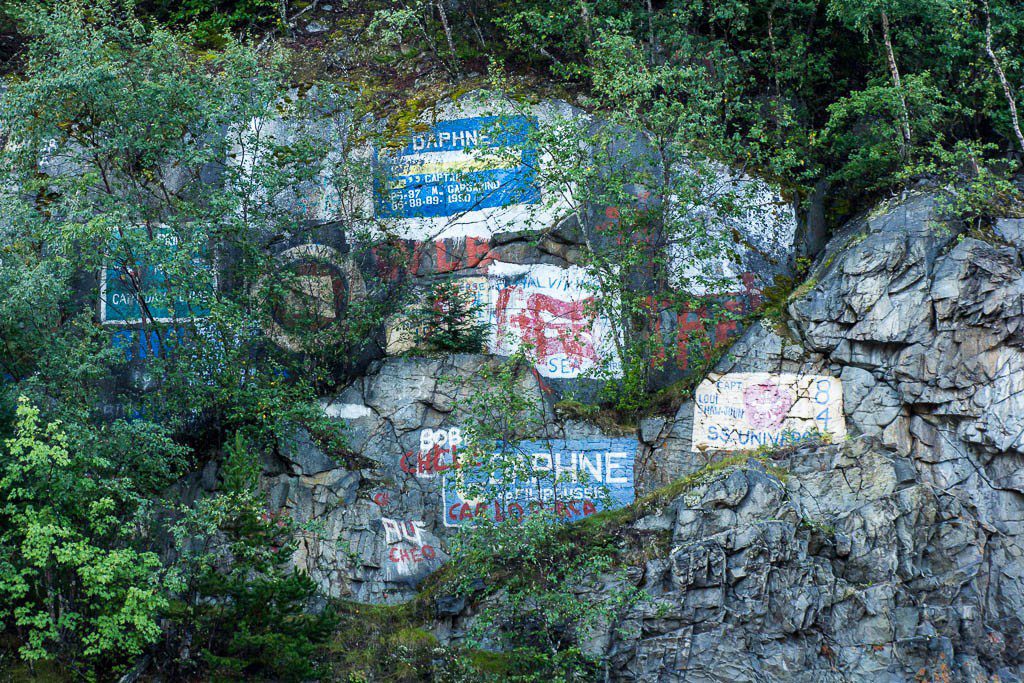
[[138, 345], [459, 166], [120, 304], [571, 479], [126, 286]]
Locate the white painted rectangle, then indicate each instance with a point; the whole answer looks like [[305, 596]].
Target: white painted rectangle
[[747, 410], [551, 310]]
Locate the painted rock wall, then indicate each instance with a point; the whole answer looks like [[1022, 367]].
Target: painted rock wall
[[458, 196], [759, 409], [386, 524], [534, 293]]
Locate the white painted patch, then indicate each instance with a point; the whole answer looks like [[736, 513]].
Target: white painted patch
[[766, 226], [548, 308], [397, 531], [748, 410], [346, 411], [551, 310], [407, 553]]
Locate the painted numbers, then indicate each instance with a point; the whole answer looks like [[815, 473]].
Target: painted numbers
[[447, 171], [742, 411]]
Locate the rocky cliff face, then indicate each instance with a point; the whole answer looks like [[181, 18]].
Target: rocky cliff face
[[851, 569], [893, 555], [897, 554]]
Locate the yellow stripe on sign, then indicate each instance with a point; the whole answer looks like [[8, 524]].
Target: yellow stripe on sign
[[459, 166]]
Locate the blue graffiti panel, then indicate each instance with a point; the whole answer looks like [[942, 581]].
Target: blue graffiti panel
[[121, 302], [458, 166], [571, 479], [134, 291]]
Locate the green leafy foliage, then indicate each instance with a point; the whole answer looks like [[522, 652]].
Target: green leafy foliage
[[494, 417], [116, 110], [975, 185], [448, 320], [73, 583], [803, 91], [386, 643], [541, 619], [662, 208], [211, 20], [530, 576], [241, 609], [113, 128]]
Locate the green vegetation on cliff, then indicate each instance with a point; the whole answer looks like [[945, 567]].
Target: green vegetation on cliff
[[115, 117]]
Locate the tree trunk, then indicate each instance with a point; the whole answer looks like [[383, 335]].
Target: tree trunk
[[897, 81], [585, 22], [447, 30], [774, 54], [1014, 120], [651, 40], [815, 225]]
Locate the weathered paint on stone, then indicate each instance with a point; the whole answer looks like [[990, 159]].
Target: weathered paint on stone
[[741, 411], [477, 166], [571, 479], [133, 292], [549, 310]]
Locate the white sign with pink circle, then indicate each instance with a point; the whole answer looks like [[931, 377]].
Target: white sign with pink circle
[[748, 410]]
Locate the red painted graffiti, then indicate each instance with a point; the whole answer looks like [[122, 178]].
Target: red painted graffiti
[[421, 554], [551, 326], [569, 509], [382, 498], [476, 254], [436, 256], [704, 326], [434, 461]]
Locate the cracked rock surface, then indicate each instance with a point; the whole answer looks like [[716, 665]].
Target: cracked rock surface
[[897, 555], [353, 555], [852, 569]]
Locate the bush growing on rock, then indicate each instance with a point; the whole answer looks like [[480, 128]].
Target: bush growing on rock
[[448, 321], [240, 609]]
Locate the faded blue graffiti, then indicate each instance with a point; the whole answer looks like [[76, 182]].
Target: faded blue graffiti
[[446, 170], [141, 344], [570, 478]]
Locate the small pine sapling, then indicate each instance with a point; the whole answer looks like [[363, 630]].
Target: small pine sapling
[[448, 320]]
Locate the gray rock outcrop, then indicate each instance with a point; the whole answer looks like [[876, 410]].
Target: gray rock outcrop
[[852, 569], [895, 555]]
